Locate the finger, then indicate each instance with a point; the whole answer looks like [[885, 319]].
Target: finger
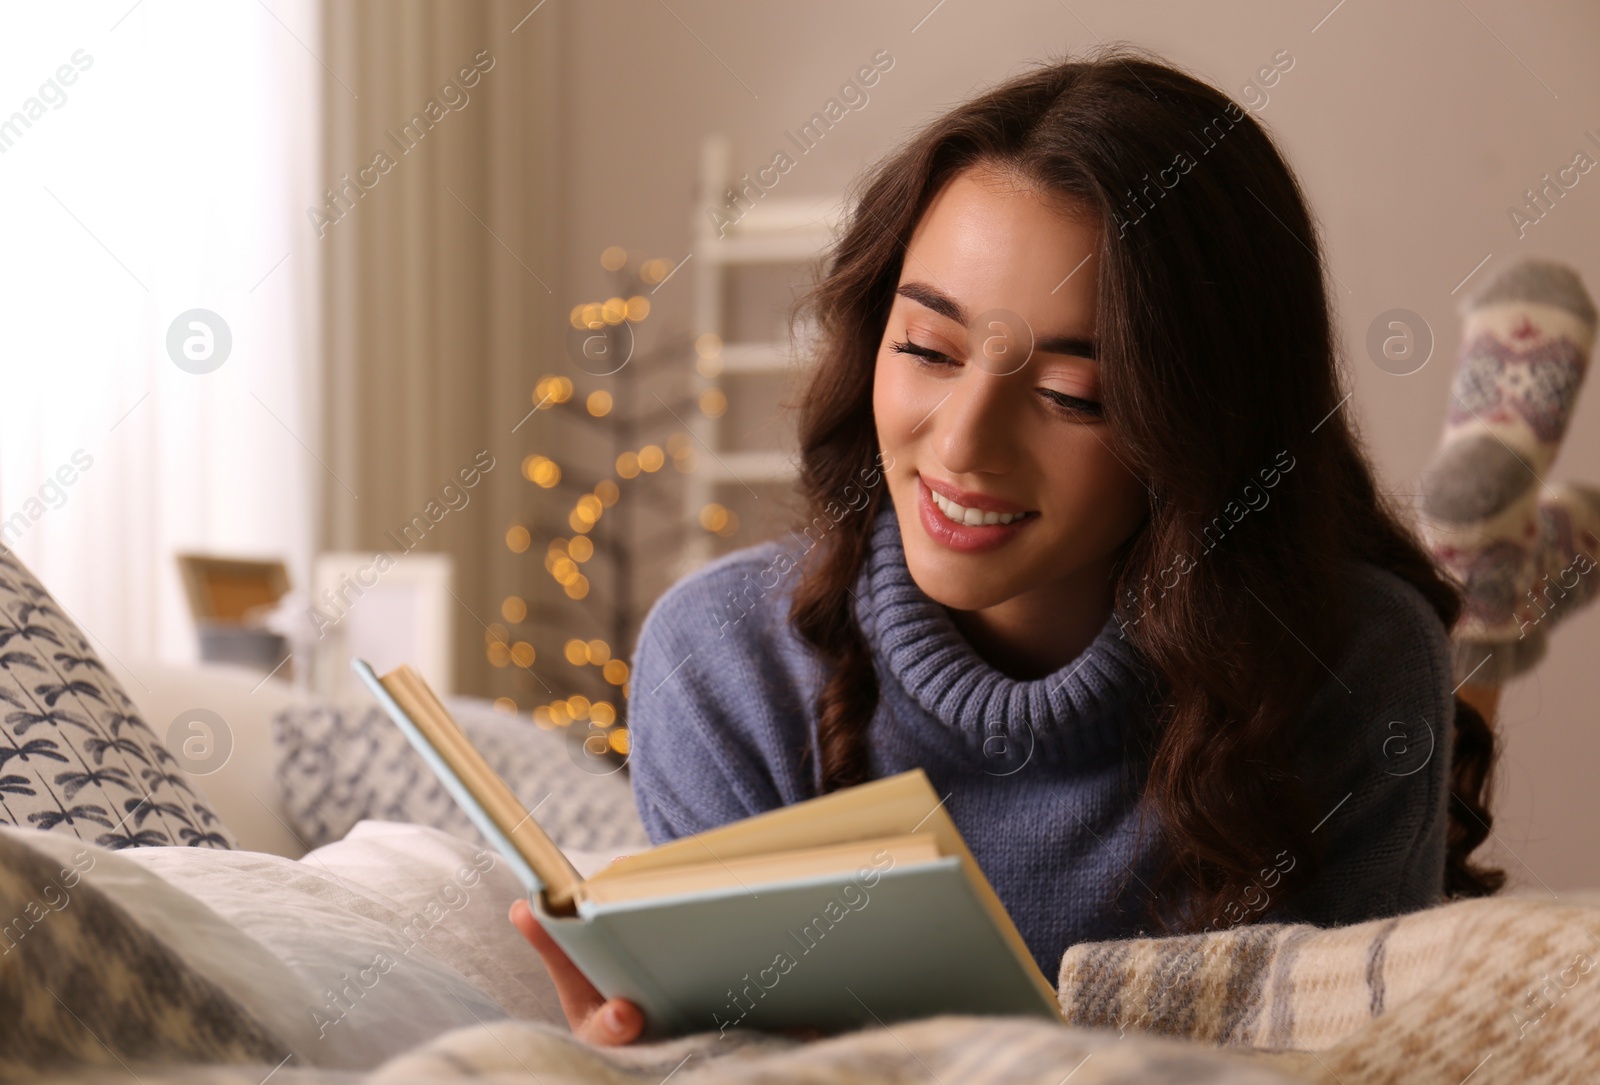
[[618, 1021], [579, 998], [590, 1016]]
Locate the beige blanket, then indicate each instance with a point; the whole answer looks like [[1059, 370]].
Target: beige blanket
[[1501, 989]]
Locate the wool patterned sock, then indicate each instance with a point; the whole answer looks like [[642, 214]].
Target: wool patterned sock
[[1522, 548]]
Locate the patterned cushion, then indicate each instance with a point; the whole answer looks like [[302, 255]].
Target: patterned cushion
[[74, 755], [90, 987], [339, 765]]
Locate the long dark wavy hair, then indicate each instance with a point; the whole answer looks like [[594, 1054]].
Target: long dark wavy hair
[[1216, 353]]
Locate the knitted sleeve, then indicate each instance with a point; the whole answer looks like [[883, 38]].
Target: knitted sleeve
[[1376, 751], [712, 725]]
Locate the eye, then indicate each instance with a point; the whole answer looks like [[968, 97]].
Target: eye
[[924, 355], [1072, 404]]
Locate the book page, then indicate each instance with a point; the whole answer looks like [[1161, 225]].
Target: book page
[[754, 872], [892, 806]]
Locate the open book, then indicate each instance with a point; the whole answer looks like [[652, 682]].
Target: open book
[[855, 907]]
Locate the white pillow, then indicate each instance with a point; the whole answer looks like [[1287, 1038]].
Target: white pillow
[[241, 786], [283, 935], [407, 867]]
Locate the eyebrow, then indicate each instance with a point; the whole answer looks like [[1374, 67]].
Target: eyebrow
[[931, 298]]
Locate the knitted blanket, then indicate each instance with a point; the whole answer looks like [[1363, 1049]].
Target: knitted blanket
[[1502, 989]]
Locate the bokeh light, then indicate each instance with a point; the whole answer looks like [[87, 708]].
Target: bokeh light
[[541, 470], [713, 403], [653, 271], [551, 390], [714, 517]]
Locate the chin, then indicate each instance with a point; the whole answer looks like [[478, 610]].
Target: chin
[[956, 582]]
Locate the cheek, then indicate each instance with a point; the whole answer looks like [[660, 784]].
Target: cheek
[[897, 409], [892, 398], [1090, 481], [884, 386]]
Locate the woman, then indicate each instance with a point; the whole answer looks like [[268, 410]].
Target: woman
[[1090, 539]]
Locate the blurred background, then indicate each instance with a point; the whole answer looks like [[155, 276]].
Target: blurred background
[[432, 331]]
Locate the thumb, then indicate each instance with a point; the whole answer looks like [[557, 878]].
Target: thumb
[[616, 1022]]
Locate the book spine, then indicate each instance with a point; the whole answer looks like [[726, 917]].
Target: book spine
[[452, 782]]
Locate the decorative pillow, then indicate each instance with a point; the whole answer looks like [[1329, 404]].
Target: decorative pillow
[[74, 755], [90, 985], [337, 766]]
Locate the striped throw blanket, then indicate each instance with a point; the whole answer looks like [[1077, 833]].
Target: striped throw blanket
[[1502, 989]]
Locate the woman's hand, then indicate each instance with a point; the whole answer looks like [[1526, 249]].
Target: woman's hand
[[593, 1018], [590, 1015]]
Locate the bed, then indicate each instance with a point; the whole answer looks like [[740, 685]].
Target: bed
[[138, 938]]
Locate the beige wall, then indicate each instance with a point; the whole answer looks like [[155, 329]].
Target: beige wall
[[1413, 127]]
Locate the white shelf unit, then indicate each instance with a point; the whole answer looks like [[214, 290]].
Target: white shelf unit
[[771, 230]]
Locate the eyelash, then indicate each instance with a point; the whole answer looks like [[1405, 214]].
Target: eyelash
[[933, 359]]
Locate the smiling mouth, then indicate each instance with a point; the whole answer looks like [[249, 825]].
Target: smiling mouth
[[974, 517]]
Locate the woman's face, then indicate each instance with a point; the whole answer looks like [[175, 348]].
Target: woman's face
[[987, 397]]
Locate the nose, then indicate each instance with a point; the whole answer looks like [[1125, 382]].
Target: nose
[[976, 428]]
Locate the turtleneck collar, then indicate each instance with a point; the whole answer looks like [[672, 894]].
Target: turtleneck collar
[[1076, 714]]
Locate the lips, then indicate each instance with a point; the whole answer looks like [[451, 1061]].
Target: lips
[[964, 537]]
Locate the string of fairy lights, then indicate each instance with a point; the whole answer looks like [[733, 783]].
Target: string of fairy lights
[[566, 555]]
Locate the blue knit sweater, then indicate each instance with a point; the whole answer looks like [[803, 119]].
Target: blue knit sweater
[[722, 712]]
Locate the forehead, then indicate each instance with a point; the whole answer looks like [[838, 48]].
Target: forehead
[[990, 240]]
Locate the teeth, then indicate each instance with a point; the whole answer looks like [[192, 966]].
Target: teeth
[[972, 517]]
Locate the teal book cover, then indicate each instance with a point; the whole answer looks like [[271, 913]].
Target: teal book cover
[[899, 936]]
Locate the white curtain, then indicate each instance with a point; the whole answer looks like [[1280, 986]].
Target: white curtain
[[445, 301], [164, 158]]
